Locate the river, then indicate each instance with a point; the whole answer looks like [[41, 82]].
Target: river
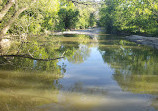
[[99, 73]]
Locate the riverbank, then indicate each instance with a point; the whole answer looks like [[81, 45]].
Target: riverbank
[[148, 41], [90, 31]]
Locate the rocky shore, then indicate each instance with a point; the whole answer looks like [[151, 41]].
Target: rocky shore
[[148, 41]]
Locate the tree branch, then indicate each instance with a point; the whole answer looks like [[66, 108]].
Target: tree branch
[[14, 17], [11, 21], [6, 8], [29, 57]]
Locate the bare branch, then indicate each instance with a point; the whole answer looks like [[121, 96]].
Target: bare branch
[[29, 57]]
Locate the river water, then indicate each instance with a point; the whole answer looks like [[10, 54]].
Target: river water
[[99, 73]]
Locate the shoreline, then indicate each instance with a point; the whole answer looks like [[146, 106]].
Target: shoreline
[[147, 41], [90, 31]]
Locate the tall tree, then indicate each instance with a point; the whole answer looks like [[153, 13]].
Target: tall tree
[[130, 16], [6, 8], [17, 12]]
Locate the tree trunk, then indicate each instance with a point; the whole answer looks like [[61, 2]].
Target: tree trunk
[[6, 8], [11, 21], [0, 2], [15, 15]]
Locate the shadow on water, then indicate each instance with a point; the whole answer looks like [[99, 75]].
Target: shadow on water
[[109, 73]]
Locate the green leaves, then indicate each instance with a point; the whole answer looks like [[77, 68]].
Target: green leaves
[[92, 20], [131, 16], [46, 16], [68, 18]]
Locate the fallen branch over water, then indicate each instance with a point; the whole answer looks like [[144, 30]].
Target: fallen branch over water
[[30, 57]]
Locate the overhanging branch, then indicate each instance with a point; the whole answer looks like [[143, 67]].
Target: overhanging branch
[[30, 57]]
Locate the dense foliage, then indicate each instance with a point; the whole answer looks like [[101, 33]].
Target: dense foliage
[[130, 16], [43, 16]]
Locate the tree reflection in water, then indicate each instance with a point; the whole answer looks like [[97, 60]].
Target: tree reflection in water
[[135, 70], [26, 83]]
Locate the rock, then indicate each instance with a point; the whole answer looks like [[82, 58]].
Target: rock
[[4, 44]]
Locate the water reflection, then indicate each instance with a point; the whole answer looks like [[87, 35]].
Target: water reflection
[[27, 83], [98, 73], [24, 91], [79, 55], [135, 70]]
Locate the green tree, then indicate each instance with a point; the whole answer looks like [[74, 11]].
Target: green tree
[[68, 18], [130, 16], [91, 20], [29, 14]]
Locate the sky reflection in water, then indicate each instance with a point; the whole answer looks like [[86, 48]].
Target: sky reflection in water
[[94, 77]]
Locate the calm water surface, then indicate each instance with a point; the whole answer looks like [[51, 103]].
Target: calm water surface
[[99, 73]]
